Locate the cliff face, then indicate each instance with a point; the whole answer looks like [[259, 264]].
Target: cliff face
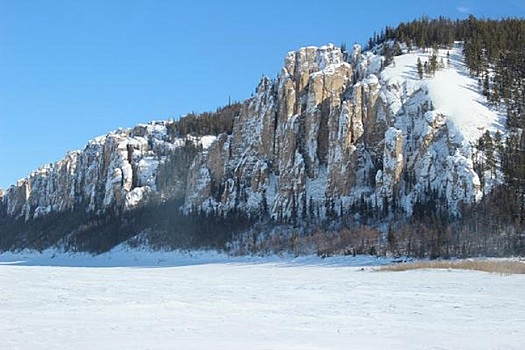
[[331, 131], [335, 130], [116, 171]]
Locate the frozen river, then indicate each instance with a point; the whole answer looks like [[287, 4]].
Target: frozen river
[[257, 305]]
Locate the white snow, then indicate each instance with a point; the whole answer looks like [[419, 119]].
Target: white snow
[[371, 80], [207, 140], [454, 93], [135, 196], [146, 169], [214, 302]]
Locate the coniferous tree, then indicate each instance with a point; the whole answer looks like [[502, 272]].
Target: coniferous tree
[[419, 68], [387, 52], [433, 62]]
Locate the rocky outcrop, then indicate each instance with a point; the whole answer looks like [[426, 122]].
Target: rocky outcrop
[[328, 133], [113, 172], [332, 130]]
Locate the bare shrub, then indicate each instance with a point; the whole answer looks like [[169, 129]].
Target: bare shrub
[[506, 267]]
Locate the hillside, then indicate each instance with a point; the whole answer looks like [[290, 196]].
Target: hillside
[[453, 91], [366, 150]]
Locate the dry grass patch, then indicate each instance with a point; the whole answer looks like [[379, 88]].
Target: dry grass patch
[[505, 267]]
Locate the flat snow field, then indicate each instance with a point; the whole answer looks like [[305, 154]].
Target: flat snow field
[[271, 304]]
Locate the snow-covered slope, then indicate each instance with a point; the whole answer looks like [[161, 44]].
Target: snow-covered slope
[[452, 90], [448, 112]]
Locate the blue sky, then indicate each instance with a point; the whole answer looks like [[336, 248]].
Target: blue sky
[[74, 70]]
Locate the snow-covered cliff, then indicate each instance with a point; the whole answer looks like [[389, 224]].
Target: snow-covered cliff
[[334, 131], [344, 132], [116, 171]]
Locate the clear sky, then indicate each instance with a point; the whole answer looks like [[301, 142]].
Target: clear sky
[[74, 70]]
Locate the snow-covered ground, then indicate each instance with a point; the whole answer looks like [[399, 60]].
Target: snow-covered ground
[[209, 301]]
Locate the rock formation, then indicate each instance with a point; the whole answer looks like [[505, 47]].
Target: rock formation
[[329, 129]]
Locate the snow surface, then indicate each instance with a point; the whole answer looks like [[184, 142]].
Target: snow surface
[[135, 196], [148, 300], [452, 90], [207, 140]]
